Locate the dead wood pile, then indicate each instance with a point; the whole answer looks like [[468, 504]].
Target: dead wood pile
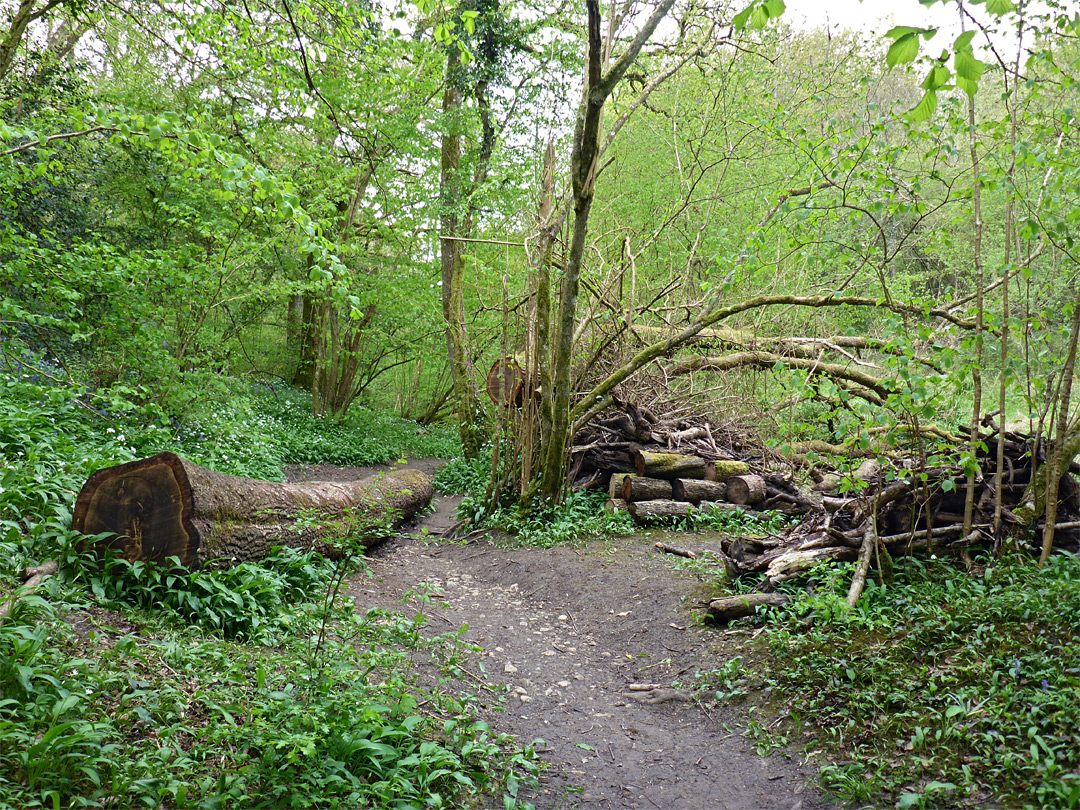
[[882, 509], [658, 469]]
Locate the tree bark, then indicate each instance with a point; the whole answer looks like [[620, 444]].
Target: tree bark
[[746, 489], [638, 488], [165, 506], [643, 511], [689, 489]]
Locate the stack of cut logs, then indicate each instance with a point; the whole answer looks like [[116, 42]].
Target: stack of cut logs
[[656, 470], [672, 485]]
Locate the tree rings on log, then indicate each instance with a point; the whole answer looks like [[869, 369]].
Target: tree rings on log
[[695, 491], [165, 506], [615, 505], [506, 383], [744, 489], [615, 485], [638, 488]]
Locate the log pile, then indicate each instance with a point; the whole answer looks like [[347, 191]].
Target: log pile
[[897, 510], [883, 508], [721, 484], [657, 470]]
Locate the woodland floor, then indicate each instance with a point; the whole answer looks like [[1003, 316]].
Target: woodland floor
[[564, 632]]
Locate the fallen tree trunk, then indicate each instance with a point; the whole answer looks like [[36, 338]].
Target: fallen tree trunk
[[165, 506]]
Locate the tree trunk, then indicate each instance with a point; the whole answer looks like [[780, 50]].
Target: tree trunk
[[165, 506], [689, 489], [637, 488], [976, 367], [743, 489], [583, 169], [1062, 450], [304, 377]]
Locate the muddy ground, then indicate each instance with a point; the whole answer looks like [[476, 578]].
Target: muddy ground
[[570, 638]]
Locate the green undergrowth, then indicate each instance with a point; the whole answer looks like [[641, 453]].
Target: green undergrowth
[[128, 685], [55, 432], [103, 709], [943, 690]]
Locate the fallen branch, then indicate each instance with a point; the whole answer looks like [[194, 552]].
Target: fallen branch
[[678, 552]]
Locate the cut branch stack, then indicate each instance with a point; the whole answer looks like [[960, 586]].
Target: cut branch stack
[[670, 485]]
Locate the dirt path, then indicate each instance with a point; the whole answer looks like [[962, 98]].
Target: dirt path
[[565, 632]]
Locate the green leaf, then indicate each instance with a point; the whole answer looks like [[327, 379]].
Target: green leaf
[[999, 7], [925, 108], [740, 20], [968, 71], [963, 42], [903, 50], [936, 79]]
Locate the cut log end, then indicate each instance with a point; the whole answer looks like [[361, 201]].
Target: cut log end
[[145, 506], [746, 489]]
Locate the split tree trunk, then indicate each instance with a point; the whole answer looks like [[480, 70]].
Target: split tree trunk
[[165, 506]]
